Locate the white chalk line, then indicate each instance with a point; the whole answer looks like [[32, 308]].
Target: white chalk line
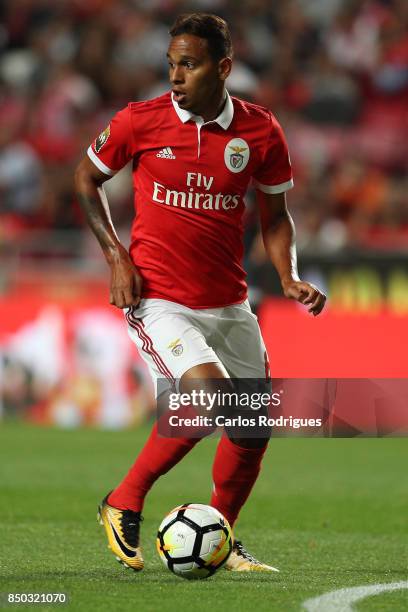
[[342, 599]]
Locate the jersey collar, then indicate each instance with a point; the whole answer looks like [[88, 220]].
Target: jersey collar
[[224, 118]]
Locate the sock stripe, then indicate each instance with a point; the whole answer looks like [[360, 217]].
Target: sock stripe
[[147, 347]]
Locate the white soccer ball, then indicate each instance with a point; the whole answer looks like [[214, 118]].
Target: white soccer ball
[[194, 541]]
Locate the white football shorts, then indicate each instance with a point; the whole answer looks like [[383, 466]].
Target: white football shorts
[[172, 338]]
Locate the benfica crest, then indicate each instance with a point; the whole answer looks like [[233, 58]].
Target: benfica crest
[[236, 158], [102, 138], [176, 347], [236, 155]]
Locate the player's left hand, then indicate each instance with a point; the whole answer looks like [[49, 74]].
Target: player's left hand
[[305, 293]]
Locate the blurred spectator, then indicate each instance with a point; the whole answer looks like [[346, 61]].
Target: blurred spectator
[[142, 42], [391, 75], [20, 175], [358, 187], [352, 38], [334, 96]]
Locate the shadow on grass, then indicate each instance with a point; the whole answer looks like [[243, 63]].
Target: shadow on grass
[[128, 576]]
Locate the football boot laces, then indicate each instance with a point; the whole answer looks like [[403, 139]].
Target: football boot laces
[[130, 524], [240, 550]]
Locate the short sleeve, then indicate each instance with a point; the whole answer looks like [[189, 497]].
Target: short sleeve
[[112, 149], [275, 172]]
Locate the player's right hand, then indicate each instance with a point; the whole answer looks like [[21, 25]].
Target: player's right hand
[[126, 282]]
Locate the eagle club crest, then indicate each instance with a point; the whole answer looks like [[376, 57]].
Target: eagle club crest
[[236, 155], [236, 158], [102, 138], [176, 347]]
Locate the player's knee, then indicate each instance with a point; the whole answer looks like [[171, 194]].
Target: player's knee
[[207, 387], [206, 373]]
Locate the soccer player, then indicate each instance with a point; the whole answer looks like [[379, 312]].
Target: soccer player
[[194, 152]]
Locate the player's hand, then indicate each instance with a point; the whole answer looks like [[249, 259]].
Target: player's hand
[[306, 294], [126, 282]]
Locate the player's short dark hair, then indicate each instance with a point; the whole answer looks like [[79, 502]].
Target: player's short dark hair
[[212, 28]]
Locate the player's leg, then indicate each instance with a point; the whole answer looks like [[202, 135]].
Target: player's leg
[[170, 345], [156, 330], [120, 511], [238, 458], [235, 470], [160, 453]]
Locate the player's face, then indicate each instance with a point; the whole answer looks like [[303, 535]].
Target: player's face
[[197, 80]]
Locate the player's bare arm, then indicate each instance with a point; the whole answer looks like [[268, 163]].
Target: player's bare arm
[[126, 283], [278, 231]]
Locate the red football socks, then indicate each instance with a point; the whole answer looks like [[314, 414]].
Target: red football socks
[[235, 471], [157, 457]]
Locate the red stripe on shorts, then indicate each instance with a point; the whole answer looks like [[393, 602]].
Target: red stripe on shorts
[[147, 347]]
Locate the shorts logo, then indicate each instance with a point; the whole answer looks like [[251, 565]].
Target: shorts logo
[[102, 138], [236, 155], [176, 347]]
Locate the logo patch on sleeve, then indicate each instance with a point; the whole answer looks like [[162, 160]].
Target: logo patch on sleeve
[[102, 138]]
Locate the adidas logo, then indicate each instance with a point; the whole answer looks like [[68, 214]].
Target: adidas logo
[[166, 153]]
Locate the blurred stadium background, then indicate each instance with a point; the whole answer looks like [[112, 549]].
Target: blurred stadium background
[[335, 73]]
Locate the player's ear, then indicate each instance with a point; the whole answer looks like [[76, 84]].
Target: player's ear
[[224, 68]]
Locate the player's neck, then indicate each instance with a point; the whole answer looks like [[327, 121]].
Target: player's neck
[[215, 107]]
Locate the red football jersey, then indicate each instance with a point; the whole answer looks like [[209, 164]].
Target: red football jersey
[[190, 179]]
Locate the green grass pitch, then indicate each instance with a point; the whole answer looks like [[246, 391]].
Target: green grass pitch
[[330, 513]]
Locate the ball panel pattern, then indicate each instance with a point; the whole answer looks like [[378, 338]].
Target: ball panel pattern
[[194, 540]]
